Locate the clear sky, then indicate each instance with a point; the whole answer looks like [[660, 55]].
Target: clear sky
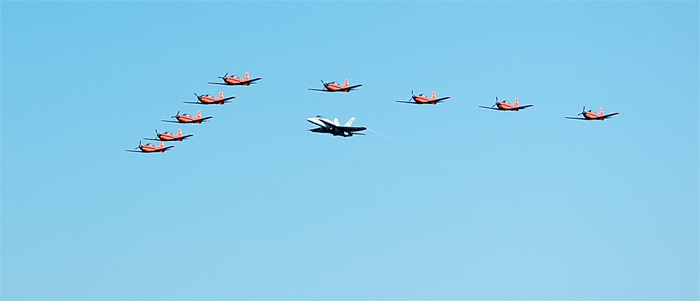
[[435, 202]]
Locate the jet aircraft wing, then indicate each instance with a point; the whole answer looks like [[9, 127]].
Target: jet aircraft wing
[[351, 128], [328, 122]]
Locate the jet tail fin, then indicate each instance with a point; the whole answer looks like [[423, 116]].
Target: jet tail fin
[[349, 123]]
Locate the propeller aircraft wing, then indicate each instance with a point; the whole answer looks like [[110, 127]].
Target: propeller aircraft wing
[[253, 81], [176, 139], [151, 152], [439, 100], [243, 83], [351, 88], [609, 115], [217, 102], [523, 107], [198, 120]]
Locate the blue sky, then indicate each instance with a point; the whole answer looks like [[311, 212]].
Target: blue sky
[[435, 202]]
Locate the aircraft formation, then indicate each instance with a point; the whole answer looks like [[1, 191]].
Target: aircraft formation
[[325, 125], [205, 99]]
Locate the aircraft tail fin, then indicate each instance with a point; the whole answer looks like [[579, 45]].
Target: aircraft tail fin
[[162, 143], [199, 113], [434, 94], [349, 123], [601, 110], [516, 101], [179, 131], [347, 82], [247, 76], [221, 94]]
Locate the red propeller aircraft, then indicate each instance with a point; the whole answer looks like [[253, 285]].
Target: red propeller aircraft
[[421, 99], [147, 148], [236, 81], [336, 87], [170, 136], [590, 115], [505, 106], [184, 118], [207, 99]]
